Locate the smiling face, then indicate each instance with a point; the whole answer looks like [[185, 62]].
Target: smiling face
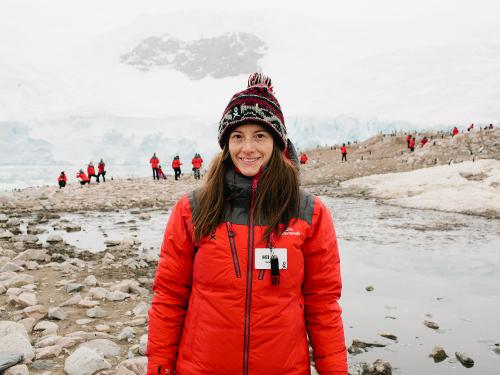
[[250, 147]]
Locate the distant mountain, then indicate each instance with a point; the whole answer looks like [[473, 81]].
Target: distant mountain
[[227, 55], [17, 147]]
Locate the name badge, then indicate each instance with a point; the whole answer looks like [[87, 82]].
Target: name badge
[[263, 258]]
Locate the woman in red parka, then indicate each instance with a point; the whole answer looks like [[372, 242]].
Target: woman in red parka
[[249, 266]]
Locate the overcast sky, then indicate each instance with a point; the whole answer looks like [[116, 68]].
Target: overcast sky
[[60, 37]]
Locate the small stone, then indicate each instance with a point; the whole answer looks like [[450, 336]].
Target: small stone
[[117, 296], [135, 366], [73, 287], [88, 303], [141, 309], [82, 322], [96, 312], [431, 324], [48, 328], [126, 333], [54, 238], [71, 227], [464, 359], [389, 336], [48, 352], [104, 347], [379, 367], [90, 280], [102, 328], [143, 341], [56, 313], [438, 354], [26, 299], [369, 288], [85, 361], [75, 300]]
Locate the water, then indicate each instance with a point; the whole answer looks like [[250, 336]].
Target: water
[[19, 177], [423, 265]]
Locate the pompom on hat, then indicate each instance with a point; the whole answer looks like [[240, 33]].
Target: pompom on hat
[[258, 105]]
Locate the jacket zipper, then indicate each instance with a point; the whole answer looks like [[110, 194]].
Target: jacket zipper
[[246, 340], [234, 253]]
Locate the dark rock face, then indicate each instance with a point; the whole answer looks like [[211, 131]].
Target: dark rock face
[[464, 359], [438, 354], [228, 55]]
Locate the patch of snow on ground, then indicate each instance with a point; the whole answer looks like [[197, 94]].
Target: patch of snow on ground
[[468, 187]]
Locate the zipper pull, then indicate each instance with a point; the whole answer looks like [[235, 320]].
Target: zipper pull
[[275, 270]]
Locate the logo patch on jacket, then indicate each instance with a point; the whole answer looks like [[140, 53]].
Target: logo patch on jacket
[[290, 232]]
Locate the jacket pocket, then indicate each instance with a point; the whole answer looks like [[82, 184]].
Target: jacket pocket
[[234, 252]]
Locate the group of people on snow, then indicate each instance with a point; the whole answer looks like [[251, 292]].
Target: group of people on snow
[[411, 142], [197, 162], [84, 179], [471, 128]]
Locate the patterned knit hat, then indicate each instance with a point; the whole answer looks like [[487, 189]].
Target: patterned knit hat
[[257, 104]]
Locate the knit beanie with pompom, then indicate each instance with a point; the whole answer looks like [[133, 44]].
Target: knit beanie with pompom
[[257, 105]]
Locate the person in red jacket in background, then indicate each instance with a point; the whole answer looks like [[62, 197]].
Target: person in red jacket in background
[[154, 161], [424, 141], [82, 177], [101, 171], [62, 180], [303, 158], [176, 165], [408, 140], [160, 173], [412, 144], [455, 131], [197, 161], [249, 269], [343, 151], [91, 171]]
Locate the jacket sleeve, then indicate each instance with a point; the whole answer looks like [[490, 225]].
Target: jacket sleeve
[[322, 288], [172, 289]]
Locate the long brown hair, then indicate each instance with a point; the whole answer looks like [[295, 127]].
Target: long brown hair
[[277, 199]]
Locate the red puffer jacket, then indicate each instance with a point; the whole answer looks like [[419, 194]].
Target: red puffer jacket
[[214, 313], [91, 170], [176, 163], [154, 161], [197, 162]]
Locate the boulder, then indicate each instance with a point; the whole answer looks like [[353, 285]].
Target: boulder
[[85, 361], [9, 359], [431, 324], [17, 370]]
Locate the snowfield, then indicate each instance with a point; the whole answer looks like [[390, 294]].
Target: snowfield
[[468, 187]]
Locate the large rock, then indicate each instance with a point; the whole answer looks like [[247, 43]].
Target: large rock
[[133, 366], [8, 359], [17, 341], [11, 266], [116, 296], [19, 280], [104, 347], [17, 370], [85, 361]]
